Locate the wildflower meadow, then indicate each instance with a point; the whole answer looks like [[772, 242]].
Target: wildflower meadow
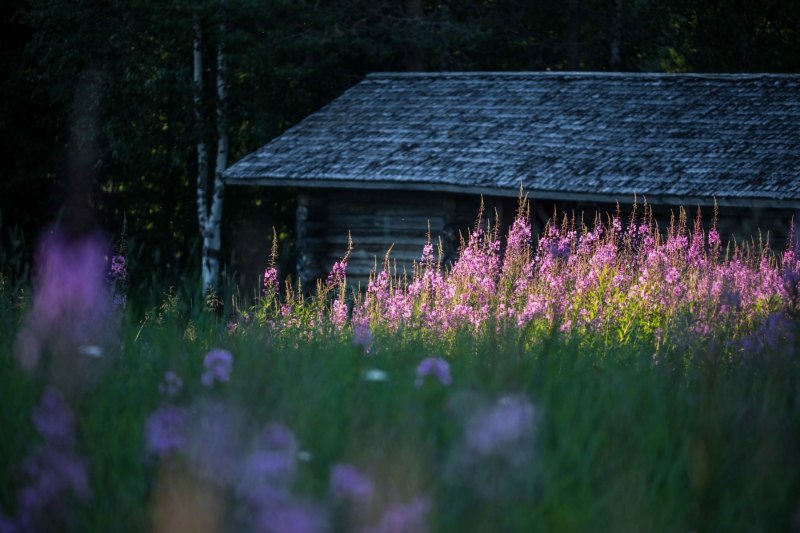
[[618, 374]]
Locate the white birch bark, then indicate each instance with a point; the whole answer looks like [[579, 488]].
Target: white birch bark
[[209, 210], [202, 154], [212, 234]]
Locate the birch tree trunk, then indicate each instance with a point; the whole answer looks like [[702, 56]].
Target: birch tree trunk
[[212, 236], [209, 210]]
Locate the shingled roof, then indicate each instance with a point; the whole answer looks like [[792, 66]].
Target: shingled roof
[[674, 138]]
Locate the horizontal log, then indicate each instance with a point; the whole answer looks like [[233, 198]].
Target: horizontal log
[[418, 221]]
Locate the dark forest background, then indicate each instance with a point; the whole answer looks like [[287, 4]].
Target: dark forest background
[[97, 126]]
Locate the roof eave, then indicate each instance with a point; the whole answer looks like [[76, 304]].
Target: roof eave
[[534, 194]]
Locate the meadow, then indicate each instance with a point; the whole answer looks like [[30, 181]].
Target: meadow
[[607, 377]]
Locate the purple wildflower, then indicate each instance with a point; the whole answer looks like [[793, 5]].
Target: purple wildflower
[[53, 470], [434, 366], [405, 517], [213, 447], [269, 468], [172, 384], [218, 365], [53, 419], [348, 483], [292, 517], [496, 429], [165, 431], [275, 453]]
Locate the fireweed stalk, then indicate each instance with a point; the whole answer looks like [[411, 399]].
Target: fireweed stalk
[[613, 282]]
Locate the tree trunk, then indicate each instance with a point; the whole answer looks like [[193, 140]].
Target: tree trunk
[[202, 154], [209, 217], [212, 236]]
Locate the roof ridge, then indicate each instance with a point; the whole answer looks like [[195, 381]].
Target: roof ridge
[[586, 74]]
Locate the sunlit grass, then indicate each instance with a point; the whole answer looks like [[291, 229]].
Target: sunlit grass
[[563, 385]]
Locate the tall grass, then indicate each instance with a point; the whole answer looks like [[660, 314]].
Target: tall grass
[[613, 377]]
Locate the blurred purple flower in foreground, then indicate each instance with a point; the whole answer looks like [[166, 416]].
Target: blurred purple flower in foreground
[[362, 335], [434, 366], [52, 419], [292, 517], [172, 384], [348, 483], [405, 517], [214, 445], [500, 427], [498, 445], [218, 365], [72, 302], [164, 431], [54, 470], [270, 466]]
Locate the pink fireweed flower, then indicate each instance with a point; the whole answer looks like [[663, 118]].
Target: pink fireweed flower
[[270, 284], [339, 313], [427, 255], [379, 286], [433, 366], [714, 240], [672, 275], [350, 484], [118, 270], [218, 365], [338, 272]]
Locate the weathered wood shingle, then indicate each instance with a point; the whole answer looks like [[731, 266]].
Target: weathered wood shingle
[[673, 138]]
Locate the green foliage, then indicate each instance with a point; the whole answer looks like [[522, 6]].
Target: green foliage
[[622, 442]]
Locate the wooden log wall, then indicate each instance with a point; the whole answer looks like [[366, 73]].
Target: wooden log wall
[[378, 221]]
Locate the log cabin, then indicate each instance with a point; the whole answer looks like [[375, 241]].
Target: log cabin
[[402, 154]]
